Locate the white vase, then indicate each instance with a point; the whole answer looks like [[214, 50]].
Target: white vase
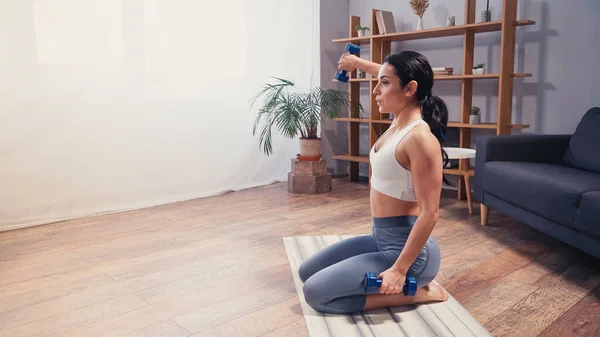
[[361, 33], [474, 119], [420, 24]]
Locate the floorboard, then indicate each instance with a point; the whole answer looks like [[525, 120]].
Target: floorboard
[[217, 267]]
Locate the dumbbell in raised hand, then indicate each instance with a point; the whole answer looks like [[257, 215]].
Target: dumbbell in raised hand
[[372, 284], [342, 74]]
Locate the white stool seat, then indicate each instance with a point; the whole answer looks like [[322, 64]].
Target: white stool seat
[[463, 153], [459, 153]]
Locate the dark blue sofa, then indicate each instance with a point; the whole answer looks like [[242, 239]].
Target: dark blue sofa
[[548, 182]]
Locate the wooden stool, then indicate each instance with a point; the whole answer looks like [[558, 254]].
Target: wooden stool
[[466, 173]]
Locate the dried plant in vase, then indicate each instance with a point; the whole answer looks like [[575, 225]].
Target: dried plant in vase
[[419, 7]]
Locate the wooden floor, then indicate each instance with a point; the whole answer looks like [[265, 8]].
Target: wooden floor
[[217, 267]]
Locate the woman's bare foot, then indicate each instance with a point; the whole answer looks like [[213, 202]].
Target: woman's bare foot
[[434, 293], [427, 294]]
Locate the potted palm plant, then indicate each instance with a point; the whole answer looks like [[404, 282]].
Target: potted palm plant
[[295, 112]]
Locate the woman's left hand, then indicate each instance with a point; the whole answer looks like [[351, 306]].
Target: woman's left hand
[[392, 281]]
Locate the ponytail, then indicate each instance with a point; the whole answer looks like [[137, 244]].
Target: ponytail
[[435, 113]]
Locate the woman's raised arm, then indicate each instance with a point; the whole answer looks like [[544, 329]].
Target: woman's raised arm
[[349, 62]]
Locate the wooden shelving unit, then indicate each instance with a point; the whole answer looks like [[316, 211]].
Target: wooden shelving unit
[[381, 46]]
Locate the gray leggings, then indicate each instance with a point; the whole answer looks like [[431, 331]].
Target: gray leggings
[[333, 276]]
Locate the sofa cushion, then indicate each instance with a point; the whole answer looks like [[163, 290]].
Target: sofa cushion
[[549, 190], [583, 147], [587, 218]]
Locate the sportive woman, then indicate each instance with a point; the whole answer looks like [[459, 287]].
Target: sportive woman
[[406, 180]]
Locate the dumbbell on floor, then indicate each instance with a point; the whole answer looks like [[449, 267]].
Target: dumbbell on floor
[[372, 284]]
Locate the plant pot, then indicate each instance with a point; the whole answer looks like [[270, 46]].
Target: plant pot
[[478, 71], [310, 149], [474, 119], [361, 33]]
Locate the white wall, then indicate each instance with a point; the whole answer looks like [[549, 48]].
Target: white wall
[[108, 105]]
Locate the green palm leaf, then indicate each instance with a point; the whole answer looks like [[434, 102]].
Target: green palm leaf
[[296, 113]]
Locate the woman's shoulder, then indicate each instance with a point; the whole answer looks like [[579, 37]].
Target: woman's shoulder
[[422, 142]]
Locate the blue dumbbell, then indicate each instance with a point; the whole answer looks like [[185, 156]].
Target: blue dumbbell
[[352, 49], [372, 284]]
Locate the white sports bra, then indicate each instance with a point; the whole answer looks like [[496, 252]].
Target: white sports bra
[[387, 175]]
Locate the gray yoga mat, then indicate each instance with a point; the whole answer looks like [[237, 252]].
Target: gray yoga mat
[[434, 319]]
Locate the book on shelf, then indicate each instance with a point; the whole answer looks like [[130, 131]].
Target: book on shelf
[[442, 70], [385, 22]]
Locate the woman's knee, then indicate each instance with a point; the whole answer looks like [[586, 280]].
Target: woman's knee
[[335, 253], [324, 298], [305, 271], [432, 264], [315, 294]]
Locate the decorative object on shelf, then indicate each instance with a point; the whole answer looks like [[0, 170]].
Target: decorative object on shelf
[[479, 69], [450, 21], [419, 7], [384, 21], [475, 116], [443, 71], [298, 113], [361, 30], [486, 15], [360, 73]]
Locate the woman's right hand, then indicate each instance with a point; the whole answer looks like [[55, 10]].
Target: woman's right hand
[[348, 62]]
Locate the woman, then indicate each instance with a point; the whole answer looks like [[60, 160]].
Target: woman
[[406, 180]]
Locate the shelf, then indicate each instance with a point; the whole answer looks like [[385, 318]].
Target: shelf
[[382, 121], [358, 159], [459, 172], [368, 79], [450, 124], [356, 40], [356, 120], [363, 120], [484, 125], [479, 27], [476, 77], [454, 77]]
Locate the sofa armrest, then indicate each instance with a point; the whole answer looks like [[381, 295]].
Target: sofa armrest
[[528, 148], [537, 148]]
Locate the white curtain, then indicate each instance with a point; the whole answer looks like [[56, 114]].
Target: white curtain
[[111, 105]]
